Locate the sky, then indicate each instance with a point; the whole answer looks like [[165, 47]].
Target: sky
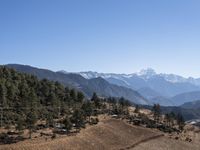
[[118, 36]]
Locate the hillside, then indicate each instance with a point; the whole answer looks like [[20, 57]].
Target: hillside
[[148, 93], [163, 101], [186, 97], [98, 85], [109, 134], [191, 105]]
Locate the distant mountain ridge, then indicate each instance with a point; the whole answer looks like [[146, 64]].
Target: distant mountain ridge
[[192, 105], [186, 97], [155, 87], [144, 74], [88, 86]]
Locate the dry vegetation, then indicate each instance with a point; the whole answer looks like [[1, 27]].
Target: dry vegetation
[[108, 134]]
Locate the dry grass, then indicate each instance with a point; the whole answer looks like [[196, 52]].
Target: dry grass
[[109, 134], [165, 143]]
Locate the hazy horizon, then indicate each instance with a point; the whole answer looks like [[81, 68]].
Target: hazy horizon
[[103, 36]]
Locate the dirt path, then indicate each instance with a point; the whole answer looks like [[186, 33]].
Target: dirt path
[[143, 141]]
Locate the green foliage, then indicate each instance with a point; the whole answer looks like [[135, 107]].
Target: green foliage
[[67, 123], [25, 99], [96, 100], [31, 120], [49, 119], [20, 123], [80, 97], [87, 109], [78, 118]]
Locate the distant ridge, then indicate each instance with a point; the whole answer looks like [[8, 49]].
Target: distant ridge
[[153, 86], [88, 86]]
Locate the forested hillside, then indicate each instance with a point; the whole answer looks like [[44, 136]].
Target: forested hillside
[[24, 99], [26, 102]]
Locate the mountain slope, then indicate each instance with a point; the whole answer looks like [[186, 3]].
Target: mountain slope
[[162, 101], [169, 89], [109, 134], [148, 93], [191, 105], [155, 97], [186, 97], [98, 85]]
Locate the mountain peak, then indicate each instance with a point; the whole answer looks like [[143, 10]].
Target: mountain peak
[[63, 71], [147, 72]]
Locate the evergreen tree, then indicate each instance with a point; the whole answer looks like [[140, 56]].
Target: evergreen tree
[[167, 119], [180, 121], [30, 122], [67, 123], [96, 100], [80, 97], [87, 108], [49, 119], [157, 112], [78, 118], [3, 92], [20, 123], [137, 109], [73, 94]]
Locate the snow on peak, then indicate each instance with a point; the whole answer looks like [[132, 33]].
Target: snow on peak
[[146, 73], [63, 71]]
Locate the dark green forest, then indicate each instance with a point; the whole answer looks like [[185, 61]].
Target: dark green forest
[[25, 100]]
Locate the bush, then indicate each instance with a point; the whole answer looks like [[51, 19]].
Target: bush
[[53, 136], [94, 121], [6, 139]]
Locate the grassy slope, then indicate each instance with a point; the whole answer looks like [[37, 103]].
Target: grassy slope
[[109, 134]]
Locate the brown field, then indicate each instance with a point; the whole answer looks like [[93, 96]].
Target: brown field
[[109, 134]]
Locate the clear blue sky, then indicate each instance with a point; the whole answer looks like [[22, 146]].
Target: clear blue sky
[[121, 36]]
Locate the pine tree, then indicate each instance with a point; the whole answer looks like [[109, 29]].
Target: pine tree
[[78, 118], [3, 93], [137, 109], [180, 121], [20, 123], [67, 123], [80, 97], [96, 100], [87, 108], [30, 122], [32, 114], [157, 112]]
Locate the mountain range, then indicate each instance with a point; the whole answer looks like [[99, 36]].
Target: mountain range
[[166, 89], [88, 86], [145, 87]]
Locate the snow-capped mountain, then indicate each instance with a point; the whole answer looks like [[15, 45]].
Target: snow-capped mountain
[[146, 80], [145, 74], [153, 86]]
